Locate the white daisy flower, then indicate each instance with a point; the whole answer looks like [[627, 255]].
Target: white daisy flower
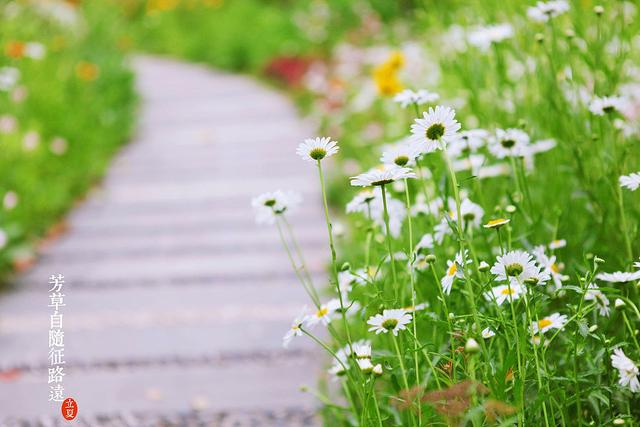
[[554, 321], [389, 321], [345, 280], [295, 330], [377, 370], [488, 333], [441, 230], [337, 369], [472, 213], [409, 97], [455, 269], [557, 244], [631, 181], [467, 142], [502, 293], [361, 201], [627, 370], [403, 154], [417, 307], [543, 11], [607, 104], [426, 242], [496, 223], [316, 149], [381, 176], [509, 143], [436, 127], [602, 302], [549, 266], [421, 207], [515, 266], [362, 350], [397, 213], [484, 37], [538, 147], [324, 314], [619, 276], [365, 365], [268, 206]]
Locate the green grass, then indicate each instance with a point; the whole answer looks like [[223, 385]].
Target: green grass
[[93, 117]]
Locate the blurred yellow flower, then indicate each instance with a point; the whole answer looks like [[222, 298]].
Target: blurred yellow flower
[[15, 49], [87, 71], [386, 75], [154, 6]]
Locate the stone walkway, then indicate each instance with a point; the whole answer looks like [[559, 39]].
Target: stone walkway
[[176, 302]]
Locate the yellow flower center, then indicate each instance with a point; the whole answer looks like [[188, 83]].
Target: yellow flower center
[[544, 323], [452, 269], [507, 291], [322, 312], [555, 268], [494, 222]]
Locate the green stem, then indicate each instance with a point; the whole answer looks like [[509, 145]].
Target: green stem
[[334, 262], [389, 247], [311, 294]]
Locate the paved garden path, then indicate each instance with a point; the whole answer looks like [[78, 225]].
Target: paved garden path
[[176, 302]]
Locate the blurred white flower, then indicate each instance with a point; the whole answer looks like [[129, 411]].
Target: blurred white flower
[[402, 154], [484, 37], [488, 333], [409, 97], [619, 276], [58, 146], [268, 206], [543, 11], [509, 143], [31, 140], [4, 238], [594, 294], [10, 200], [627, 370], [606, 104], [631, 181], [294, 330], [9, 77]]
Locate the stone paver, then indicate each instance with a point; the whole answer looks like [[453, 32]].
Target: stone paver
[[176, 301]]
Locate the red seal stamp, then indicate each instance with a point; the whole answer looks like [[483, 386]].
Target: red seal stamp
[[69, 409]]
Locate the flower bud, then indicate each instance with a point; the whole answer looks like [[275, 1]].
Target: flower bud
[[377, 370], [484, 266], [539, 37], [593, 328], [599, 10], [346, 266], [598, 260], [471, 346], [510, 209], [618, 422], [619, 304], [365, 365], [430, 258]]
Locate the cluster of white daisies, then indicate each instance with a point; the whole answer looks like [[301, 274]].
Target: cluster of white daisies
[[516, 271]]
